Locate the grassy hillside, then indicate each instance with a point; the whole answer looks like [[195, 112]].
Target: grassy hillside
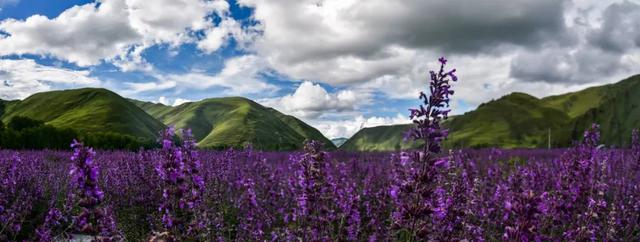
[[303, 129], [4, 104], [380, 138], [521, 120], [618, 113], [236, 121], [153, 109], [575, 104], [86, 110], [515, 120]]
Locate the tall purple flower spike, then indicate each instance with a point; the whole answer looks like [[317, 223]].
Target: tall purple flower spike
[[94, 219], [416, 192], [435, 108], [183, 184]]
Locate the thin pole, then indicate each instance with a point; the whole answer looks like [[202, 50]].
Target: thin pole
[[549, 139]]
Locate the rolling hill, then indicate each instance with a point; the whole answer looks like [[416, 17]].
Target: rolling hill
[[234, 122], [521, 120], [617, 112], [85, 110], [4, 105], [216, 122], [515, 120], [379, 138]]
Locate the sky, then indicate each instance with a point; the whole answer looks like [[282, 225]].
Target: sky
[[339, 65]]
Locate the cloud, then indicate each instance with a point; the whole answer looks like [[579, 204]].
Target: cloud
[[619, 30], [350, 41], [116, 31], [348, 127], [179, 101], [217, 37], [82, 34], [240, 75], [227, 29], [21, 78], [583, 64], [499, 46], [176, 102], [168, 21], [607, 52], [312, 100], [345, 52], [486, 77], [540, 48]]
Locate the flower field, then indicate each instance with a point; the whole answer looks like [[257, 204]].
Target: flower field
[[578, 194], [180, 193]]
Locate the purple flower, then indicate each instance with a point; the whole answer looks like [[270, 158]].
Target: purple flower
[[442, 60], [428, 116], [54, 218], [420, 201], [182, 185], [85, 174]]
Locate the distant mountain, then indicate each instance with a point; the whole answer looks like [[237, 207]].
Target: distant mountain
[[216, 122], [339, 141], [514, 120], [521, 120], [85, 110], [235, 122], [380, 138]]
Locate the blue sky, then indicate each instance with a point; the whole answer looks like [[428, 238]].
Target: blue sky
[[337, 64]]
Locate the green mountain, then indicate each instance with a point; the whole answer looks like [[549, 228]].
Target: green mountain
[[85, 110], [216, 122], [235, 122], [4, 105], [339, 141], [521, 120], [379, 138], [617, 112], [515, 120]]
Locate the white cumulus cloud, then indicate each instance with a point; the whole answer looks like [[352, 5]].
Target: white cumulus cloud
[[167, 101], [21, 78], [116, 31], [240, 75], [499, 46], [348, 127], [312, 100]]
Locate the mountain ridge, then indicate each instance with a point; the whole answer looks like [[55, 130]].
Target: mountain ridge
[[236, 122], [514, 120], [216, 122], [87, 110], [521, 120]]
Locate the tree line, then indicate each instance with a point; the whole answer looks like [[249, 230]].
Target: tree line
[[26, 133]]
